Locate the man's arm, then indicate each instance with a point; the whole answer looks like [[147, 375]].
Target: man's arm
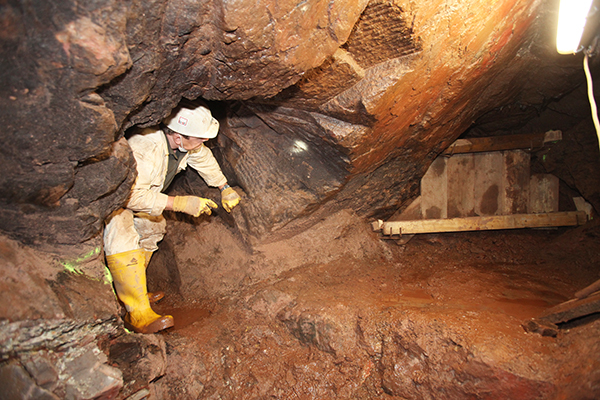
[[145, 194], [169, 206], [203, 161]]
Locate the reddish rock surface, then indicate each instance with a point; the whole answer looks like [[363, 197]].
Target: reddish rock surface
[[366, 94], [440, 317], [331, 111]]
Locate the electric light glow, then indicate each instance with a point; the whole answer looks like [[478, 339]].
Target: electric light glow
[[572, 16]]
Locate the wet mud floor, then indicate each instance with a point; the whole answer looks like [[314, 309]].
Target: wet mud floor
[[438, 318]]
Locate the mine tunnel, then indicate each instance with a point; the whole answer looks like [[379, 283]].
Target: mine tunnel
[[405, 205]]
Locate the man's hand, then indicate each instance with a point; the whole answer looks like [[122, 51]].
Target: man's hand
[[229, 198], [193, 205]]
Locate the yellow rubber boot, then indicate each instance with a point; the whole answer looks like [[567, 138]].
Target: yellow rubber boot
[[128, 270], [153, 297]]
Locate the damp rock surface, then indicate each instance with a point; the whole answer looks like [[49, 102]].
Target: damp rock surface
[[330, 113], [438, 318]]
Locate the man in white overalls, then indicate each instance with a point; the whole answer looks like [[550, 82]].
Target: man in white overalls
[[132, 233]]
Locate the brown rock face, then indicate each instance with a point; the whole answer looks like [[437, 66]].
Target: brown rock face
[[361, 318], [336, 104], [55, 127], [330, 111]]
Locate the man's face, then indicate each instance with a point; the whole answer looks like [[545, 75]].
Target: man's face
[[191, 143]]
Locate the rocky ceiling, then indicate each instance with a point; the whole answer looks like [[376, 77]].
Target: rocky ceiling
[[324, 104]]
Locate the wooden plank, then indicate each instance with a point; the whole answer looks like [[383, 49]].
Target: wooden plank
[[461, 186], [434, 190], [543, 193], [571, 309], [541, 327], [585, 292], [500, 143], [515, 182], [488, 183], [567, 218]]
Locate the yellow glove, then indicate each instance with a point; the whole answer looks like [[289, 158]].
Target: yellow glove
[[193, 205], [229, 198]]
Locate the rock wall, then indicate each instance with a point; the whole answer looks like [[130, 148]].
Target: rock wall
[[324, 105], [355, 98], [55, 125]]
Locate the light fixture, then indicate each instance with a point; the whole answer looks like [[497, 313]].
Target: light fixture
[[572, 16]]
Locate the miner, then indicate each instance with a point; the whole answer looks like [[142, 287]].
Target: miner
[[132, 233]]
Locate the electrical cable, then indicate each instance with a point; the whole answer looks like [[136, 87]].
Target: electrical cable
[[590, 86]]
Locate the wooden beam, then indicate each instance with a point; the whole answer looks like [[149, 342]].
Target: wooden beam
[[434, 190], [515, 182], [571, 309], [543, 193], [585, 292], [505, 142], [398, 228], [541, 327], [547, 323]]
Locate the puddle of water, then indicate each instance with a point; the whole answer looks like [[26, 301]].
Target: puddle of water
[[523, 308], [408, 297], [184, 316]]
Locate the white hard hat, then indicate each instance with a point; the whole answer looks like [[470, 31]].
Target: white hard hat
[[196, 122]]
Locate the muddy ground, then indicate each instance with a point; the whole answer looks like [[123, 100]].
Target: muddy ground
[[357, 317]]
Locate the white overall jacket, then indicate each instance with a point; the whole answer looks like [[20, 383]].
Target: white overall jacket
[[150, 149], [140, 223]]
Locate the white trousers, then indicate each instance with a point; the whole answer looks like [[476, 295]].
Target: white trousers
[[127, 230]]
